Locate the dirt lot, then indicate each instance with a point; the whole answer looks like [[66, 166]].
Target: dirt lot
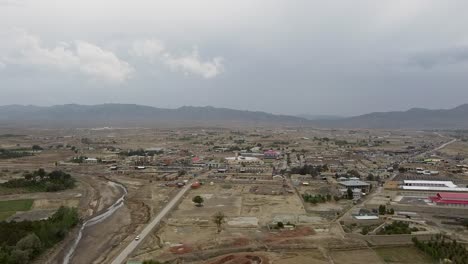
[[456, 148], [403, 255], [190, 228], [356, 257]]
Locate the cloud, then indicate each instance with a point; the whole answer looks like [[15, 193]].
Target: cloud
[[11, 2], [193, 64], [2, 65], [454, 55], [155, 51], [21, 48], [150, 48]]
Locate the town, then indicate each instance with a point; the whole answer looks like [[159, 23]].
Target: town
[[237, 195]]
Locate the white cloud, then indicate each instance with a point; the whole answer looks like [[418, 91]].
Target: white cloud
[[154, 50], [21, 48], [151, 49], [101, 63], [193, 64], [2, 65]]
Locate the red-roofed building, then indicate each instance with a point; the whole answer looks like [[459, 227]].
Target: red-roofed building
[[450, 199]]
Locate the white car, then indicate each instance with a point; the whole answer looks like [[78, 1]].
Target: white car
[[137, 238]]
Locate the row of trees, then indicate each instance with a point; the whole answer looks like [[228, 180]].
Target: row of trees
[[397, 228], [309, 198], [383, 210], [140, 152], [13, 154], [309, 169], [41, 181], [442, 248], [23, 241]]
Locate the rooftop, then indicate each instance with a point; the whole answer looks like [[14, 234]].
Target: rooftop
[[444, 195], [446, 183], [354, 183]]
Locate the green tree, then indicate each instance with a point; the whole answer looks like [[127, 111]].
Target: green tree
[[150, 261], [198, 200], [349, 193], [219, 219], [19, 256], [36, 148], [382, 209], [41, 173], [30, 243]]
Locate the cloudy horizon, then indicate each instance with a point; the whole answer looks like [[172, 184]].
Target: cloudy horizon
[[284, 57]]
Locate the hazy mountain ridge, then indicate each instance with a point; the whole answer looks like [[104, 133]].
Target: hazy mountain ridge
[[132, 114], [414, 118], [74, 115]]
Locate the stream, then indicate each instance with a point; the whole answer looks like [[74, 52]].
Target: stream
[[97, 219]]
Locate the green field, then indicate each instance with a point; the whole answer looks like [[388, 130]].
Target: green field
[[403, 255], [9, 208]]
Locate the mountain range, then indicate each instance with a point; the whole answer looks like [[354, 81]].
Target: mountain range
[[74, 115], [415, 118]]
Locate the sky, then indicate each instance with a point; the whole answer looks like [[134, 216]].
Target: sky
[[286, 57]]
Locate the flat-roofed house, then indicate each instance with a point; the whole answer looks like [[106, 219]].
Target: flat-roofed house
[[364, 186]]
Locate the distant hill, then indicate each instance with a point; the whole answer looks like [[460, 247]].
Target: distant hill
[[131, 115], [320, 117], [73, 115], [415, 118]]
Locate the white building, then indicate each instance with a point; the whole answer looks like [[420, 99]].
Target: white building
[[431, 186], [243, 160], [90, 160]]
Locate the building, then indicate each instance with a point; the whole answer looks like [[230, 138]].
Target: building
[[214, 164], [431, 186], [357, 194], [243, 160], [271, 154], [91, 160], [363, 186], [450, 199]]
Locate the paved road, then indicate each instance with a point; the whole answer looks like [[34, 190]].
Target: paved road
[[444, 145], [149, 228]]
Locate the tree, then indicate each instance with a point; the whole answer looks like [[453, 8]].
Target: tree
[[41, 173], [219, 219], [198, 200], [350, 193], [354, 173], [20, 256], [30, 243], [150, 261], [382, 209], [36, 148], [370, 177], [280, 225], [325, 167]]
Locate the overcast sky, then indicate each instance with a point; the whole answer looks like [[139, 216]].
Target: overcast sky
[[290, 57]]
